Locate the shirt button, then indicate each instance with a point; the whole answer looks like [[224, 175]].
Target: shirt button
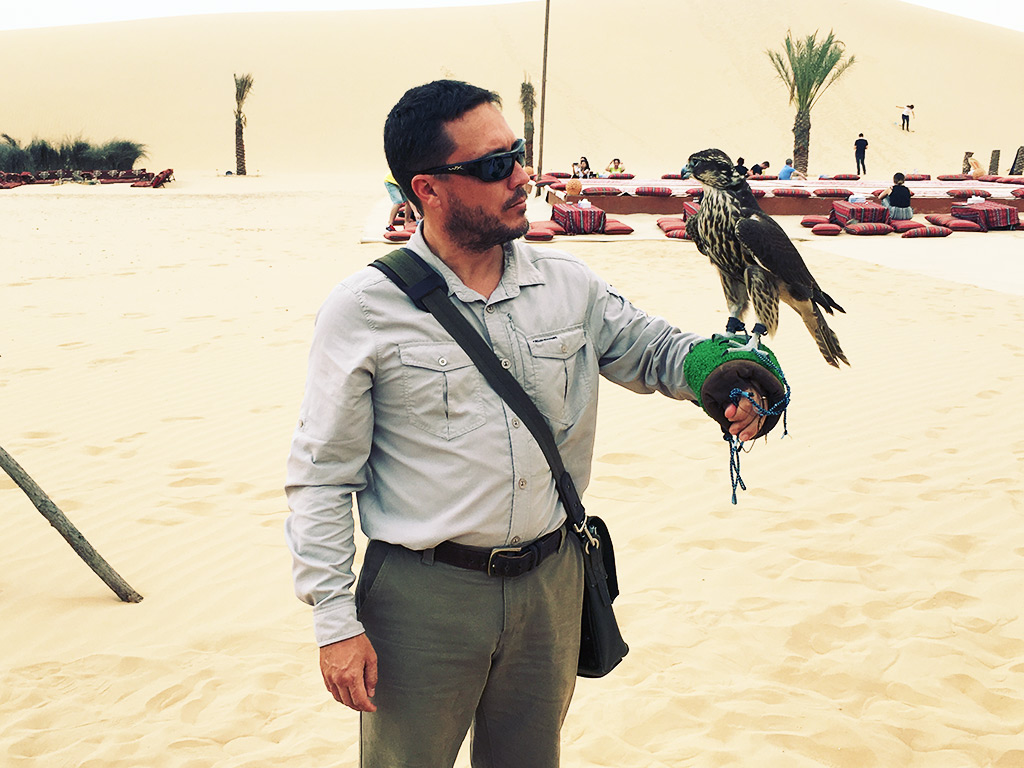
[[490, 308], [565, 348], [442, 361], [515, 423], [515, 539], [506, 363], [522, 482]]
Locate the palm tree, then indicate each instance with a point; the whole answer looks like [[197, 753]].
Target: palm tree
[[808, 68], [243, 84], [528, 102]]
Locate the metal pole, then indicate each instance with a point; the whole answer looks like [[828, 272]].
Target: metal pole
[[543, 92]]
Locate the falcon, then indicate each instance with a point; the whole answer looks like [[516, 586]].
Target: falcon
[[756, 261]]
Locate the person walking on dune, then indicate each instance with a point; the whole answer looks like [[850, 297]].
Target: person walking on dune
[[860, 148]]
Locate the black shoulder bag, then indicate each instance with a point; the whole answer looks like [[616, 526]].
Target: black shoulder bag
[[601, 644]]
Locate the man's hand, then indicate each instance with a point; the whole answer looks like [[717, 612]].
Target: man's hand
[[349, 668], [744, 417]]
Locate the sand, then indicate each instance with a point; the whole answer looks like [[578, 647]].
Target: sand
[[859, 606]]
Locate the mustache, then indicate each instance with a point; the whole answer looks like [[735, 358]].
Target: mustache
[[520, 197]]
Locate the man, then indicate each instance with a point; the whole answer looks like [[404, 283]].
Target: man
[[860, 147], [788, 171], [741, 169], [446, 476], [758, 169]]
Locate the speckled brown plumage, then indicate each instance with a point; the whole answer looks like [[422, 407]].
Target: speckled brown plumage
[[757, 262]]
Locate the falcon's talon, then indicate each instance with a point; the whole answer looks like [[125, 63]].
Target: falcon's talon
[[752, 345]]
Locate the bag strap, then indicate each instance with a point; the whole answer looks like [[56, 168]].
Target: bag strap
[[429, 292]]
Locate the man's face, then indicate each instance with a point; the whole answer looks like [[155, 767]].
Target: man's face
[[477, 214]]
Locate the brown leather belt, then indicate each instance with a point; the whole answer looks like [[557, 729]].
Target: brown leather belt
[[508, 562]]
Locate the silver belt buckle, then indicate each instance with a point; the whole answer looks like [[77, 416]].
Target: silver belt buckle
[[500, 551]]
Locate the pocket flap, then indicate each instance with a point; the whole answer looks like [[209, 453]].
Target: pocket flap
[[438, 356], [559, 345]]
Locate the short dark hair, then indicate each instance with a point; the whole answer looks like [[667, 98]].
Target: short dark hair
[[414, 132], [899, 178]]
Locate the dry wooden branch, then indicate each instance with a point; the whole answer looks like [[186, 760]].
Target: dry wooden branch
[[66, 529]]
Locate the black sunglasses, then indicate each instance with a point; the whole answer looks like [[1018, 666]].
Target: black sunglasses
[[489, 167]]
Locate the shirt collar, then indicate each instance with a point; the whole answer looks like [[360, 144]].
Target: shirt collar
[[519, 270]]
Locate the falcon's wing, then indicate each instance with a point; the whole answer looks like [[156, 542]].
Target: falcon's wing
[[693, 227], [774, 251]]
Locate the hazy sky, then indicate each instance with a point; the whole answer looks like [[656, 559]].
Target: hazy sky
[[21, 14]]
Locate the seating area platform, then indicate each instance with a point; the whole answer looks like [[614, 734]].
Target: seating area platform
[[787, 198]]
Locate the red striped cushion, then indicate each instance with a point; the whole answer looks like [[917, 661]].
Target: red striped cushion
[[1017, 192], [548, 224], [559, 185], [868, 228], [616, 227], [667, 223], [833, 192], [845, 177], [559, 174], [765, 177], [953, 177], [1011, 179], [988, 177], [690, 208], [790, 192], [826, 229], [929, 231], [399, 234], [601, 191], [962, 225], [678, 234], [695, 191], [539, 234], [918, 177], [961, 193], [620, 176], [758, 192], [671, 176], [654, 191], [905, 224], [810, 221]]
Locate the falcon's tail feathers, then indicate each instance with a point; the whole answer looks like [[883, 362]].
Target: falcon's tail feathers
[[828, 342]]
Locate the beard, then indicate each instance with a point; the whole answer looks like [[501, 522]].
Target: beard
[[476, 230]]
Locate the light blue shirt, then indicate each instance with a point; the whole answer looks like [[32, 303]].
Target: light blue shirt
[[786, 172], [396, 414]]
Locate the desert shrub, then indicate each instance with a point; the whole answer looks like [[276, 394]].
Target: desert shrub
[[71, 154]]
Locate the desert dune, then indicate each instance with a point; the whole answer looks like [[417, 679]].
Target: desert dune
[[859, 605]]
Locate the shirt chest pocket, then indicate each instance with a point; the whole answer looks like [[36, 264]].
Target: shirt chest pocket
[[441, 387], [562, 382]]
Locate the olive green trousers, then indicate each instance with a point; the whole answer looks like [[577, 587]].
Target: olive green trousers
[[461, 651]]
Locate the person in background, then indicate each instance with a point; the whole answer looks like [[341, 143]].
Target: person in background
[[908, 112], [789, 172], [758, 169], [582, 170], [897, 199], [398, 200], [860, 148], [616, 166], [741, 169]]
